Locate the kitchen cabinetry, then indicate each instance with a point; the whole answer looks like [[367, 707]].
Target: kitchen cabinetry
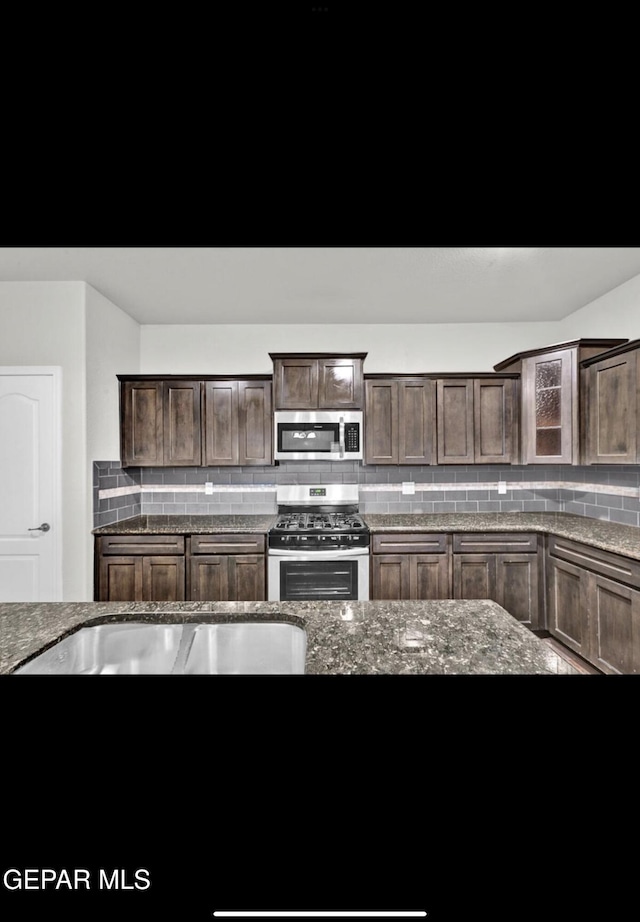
[[160, 422], [593, 604], [227, 568], [502, 567], [611, 388], [174, 568], [400, 420], [237, 422], [317, 381], [410, 566], [475, 420], [550, 398], [195, 421], [140, 568]]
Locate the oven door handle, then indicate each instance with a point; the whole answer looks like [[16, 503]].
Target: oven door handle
[[320, 555]]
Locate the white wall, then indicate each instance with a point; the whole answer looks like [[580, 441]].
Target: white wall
[[617, 313], [242, 348], [42, 323], [112, 348]]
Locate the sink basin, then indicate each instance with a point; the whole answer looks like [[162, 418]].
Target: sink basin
[[250, 648], [240, 648]]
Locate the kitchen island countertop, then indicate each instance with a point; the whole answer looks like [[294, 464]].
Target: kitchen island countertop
[[432, 637]]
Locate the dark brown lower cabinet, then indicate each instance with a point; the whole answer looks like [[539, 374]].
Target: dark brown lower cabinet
[[591, 613], [410, 566], [615, 636], [227, 568], [227, 578], [410, 576], [172, 568], [140, 568], [501, 567], [511, 580], [141, 579], [567, 612]]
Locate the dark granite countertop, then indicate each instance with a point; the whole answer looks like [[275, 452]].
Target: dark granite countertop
[[448, 637], [608, 536], [188, 525]]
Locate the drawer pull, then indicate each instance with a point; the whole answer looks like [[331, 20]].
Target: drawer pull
[[413, 543]]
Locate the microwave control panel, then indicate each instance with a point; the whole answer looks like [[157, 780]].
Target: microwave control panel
[[352, 437]]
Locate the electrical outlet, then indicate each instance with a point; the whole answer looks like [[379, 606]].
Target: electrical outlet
[[408, 487], [208, 487], [502, 487]]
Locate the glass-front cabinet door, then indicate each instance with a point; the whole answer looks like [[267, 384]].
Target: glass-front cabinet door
[[549, 408]]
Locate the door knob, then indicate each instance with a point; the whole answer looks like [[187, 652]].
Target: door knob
[[44, 527]]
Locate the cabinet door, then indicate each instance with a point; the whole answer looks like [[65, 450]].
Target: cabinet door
[[517, 586], [163, 579], [340, 384], [615, 626], [381, 421], [119, 579], [612, 418], [221, 423], [390, 577], [255, 423], [209, 578], [181, 416], [247, 578], [295, 384], [428, 576], [416, 421], [549, 408], [455, 421], [474, 576], [493, 420], [567, 612], [141, 423]]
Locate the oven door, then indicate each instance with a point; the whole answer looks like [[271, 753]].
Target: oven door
[[295, 576]]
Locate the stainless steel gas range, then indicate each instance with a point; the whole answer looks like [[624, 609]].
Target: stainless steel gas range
[[319, 546]]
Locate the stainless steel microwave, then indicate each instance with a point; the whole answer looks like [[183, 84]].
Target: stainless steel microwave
[[318, 435]]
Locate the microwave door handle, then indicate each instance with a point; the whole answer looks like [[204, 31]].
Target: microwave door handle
[[342, 436]]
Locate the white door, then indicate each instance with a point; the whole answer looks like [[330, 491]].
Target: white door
[[30, 423]]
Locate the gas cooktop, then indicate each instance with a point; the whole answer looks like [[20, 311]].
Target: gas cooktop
[[318, 517], [310, 522]]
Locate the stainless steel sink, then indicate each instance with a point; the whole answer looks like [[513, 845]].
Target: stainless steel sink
[[240, 648], [249, 648]]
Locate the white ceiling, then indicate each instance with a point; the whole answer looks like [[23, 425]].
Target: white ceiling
[[333, 284]]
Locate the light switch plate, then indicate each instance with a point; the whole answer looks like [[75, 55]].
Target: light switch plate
[[408, 487], [502, 487], [208, 487]]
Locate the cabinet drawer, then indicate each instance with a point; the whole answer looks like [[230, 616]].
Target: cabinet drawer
[[141, 544], [622, 569], [495, 543], [401, 543], [227, 544]]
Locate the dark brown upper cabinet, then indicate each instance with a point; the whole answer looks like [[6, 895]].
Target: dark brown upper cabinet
[[475, 420], [550, 401], [192, 421], [160, 422], [610, 390], [317, 381], [237, 422], [400, 420]]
